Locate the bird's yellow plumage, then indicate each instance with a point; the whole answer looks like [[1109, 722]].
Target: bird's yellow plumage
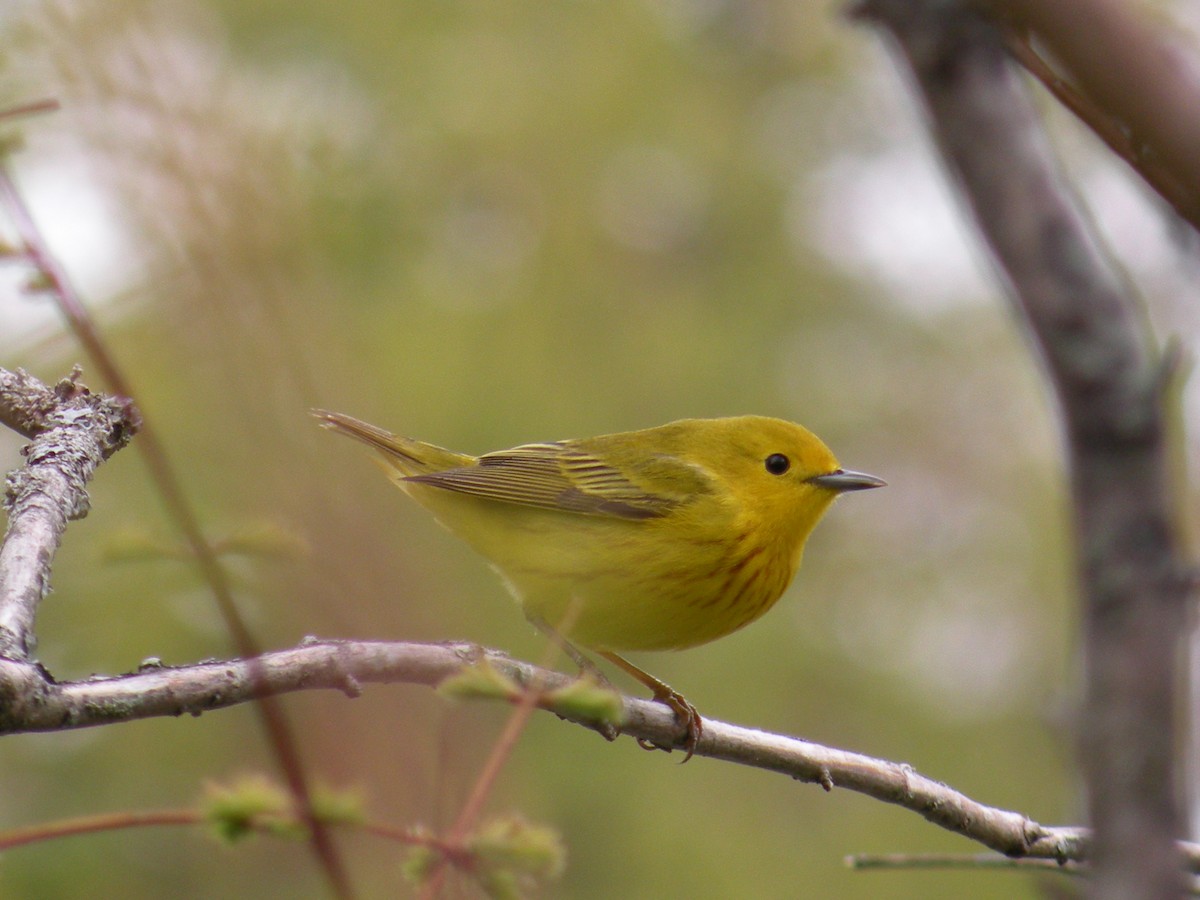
[[646, 540]]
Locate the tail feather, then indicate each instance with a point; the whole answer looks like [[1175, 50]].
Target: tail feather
[[400, 454]]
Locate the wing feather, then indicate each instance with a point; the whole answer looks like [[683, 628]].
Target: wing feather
[[567, 478]]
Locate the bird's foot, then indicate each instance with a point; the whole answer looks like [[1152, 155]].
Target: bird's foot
[[685, 714]]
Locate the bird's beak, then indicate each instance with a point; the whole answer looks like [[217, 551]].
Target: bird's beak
[[844, 480]]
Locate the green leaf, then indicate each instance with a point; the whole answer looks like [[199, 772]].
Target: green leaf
[[584, 699], [479, 680], [514, 856], [237, 810], [345, 807], [422, 859]]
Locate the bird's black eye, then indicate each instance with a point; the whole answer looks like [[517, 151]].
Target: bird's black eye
[[777, 463]]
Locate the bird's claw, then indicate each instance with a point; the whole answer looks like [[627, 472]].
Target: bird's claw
[[686, 715]]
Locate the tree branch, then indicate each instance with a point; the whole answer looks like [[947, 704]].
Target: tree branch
[[1109, 384], [1110, 129], [25, 403], [30, 701], [73, 431], [1133, 73], [52, 276], [958, 861]]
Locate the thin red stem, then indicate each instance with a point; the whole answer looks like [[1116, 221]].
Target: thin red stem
[[274, 721], [19, 837], [451, 847], [34, 108]]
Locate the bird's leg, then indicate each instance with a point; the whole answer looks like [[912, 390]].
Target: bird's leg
[[685, 713], [586, 667]]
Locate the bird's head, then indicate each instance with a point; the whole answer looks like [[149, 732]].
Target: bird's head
[[778, 472]]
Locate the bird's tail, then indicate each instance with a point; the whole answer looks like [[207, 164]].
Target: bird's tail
[[400, 455]]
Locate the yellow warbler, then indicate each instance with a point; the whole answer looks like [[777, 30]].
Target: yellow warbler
[[646, 540]]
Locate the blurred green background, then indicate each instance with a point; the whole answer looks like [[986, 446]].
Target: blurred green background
[[483, 224]]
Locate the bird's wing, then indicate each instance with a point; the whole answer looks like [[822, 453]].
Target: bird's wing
[[567, 478]]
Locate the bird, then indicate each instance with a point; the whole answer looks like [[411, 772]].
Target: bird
[[659, 539]]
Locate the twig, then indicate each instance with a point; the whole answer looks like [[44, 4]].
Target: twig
[[272, 717], [485, 783], [26, 403], [1081, 317], [36, 107], [81, 826], [30, 701], [958, 861], [1162, 179], [48, 831], [1134, 74], [974, 861], [11, 838], [73, 431]]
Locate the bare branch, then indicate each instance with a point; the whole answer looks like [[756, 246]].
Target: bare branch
[[1133, 73], [33, 108], [1109, 384], [31, 701], [19, 837], [73, 431], [959, 861], [53, 276], [1111, 130], [24, 402]]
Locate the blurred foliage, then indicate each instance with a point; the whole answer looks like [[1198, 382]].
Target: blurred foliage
[[483, 224], [506, 856]]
